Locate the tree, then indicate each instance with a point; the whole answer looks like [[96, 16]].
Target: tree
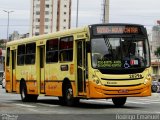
[[157, 52], [2, 44]]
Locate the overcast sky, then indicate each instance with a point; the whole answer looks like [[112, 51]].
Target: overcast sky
[[145, 12]]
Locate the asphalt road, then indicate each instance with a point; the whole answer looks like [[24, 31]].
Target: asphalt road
[[49, 108]]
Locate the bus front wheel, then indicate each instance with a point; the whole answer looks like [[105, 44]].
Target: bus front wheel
[[119, 102], [69, 99]]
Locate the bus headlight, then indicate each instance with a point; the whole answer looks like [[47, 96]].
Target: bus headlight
[[147, 79], [96, 80]]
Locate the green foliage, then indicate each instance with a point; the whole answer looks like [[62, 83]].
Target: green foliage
[[157, 52], [2, 44]]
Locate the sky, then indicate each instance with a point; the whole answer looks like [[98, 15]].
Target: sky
[[145, 12]]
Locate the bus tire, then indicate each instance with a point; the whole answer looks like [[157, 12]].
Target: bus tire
[[23, 92], [68, 97], [33, 98], [62, 100], [119, 102], [154, 88]]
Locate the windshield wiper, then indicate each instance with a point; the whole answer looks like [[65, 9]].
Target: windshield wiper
[[108, 44]]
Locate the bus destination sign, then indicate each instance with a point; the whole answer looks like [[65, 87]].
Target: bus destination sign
[[116, 30]]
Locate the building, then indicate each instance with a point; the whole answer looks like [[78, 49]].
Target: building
[[154, 44], [3, 44], [49, 16], [16, 36]]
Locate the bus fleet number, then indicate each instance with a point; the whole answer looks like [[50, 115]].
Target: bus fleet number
[[135, 76]]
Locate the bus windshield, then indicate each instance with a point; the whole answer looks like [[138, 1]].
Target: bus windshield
[[120, 52]]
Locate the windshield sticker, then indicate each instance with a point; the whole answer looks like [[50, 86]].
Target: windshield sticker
[[102, 63], [134, 62], [126, 65]]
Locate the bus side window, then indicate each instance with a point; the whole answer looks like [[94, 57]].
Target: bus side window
[[66, 49], [8, 56], [52, 51], [21, 55], [30, 53]]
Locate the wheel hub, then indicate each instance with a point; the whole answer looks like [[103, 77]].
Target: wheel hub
[[69, 93]]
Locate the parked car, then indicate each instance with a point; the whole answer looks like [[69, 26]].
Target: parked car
[[3, 81], [155, 86], [0, 81], [1, 77]]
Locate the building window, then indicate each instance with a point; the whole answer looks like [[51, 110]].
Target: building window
[[46, 19], [52, 51], [47, 6], [65, 6], [36, 33], [37, 26], [66, 49], [64, 20], [47, 12], [37, 12], [65, 13], [38, 5], [37, 20], [46, 26]]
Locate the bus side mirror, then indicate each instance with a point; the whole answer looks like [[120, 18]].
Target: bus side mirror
[[88, 47]]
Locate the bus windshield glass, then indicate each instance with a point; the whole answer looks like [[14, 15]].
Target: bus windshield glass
[[120, 52]]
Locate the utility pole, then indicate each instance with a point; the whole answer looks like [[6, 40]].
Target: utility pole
[[105, 11], [8, 12], [77, 13]]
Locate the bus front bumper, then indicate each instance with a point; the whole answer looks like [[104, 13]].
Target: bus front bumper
[[99, 91]]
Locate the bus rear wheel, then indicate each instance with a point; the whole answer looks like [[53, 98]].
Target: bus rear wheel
[[25, 97], [119, 102], [23, 91]]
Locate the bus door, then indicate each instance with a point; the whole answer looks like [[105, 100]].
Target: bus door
[[13, 63], [81, 80], [41, 65]]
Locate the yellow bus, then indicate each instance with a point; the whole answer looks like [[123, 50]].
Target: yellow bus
[[99, 61]]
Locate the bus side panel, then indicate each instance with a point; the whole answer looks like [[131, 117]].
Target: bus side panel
[[54, 77], [8, 80], [31, 81], [54, 88], [53, 85], [19, 75], [27, 73], [32, 87], [18, 87], [74, 88]]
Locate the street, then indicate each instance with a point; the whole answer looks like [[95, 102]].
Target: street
[[49, 108]]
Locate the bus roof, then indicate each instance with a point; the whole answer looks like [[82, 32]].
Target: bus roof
[[119, 24], [48, 36]]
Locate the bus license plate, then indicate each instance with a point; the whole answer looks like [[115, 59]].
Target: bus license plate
[[123, 91]]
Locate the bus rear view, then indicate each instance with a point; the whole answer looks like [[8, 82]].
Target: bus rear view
[[120, 62]]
